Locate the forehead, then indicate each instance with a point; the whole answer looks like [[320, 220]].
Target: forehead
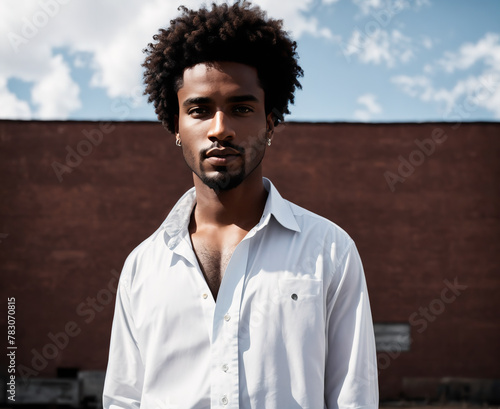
[[221, 78]]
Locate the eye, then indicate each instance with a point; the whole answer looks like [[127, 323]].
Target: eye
[[242, 109], [198, 111]]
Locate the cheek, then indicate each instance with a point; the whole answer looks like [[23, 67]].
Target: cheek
[[189, 152], [191, 158], [185, 126], [252, 133], [190, 125], [255, 148], [190, 149]]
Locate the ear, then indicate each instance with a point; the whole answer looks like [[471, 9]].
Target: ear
[[270, 124], [176, 124]]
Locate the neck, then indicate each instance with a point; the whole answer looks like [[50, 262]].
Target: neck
[[241, 206]]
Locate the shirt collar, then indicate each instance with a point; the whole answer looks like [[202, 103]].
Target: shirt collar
[[279, 208], [178, 219]]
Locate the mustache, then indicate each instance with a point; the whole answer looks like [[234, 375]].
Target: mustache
[[222, 144]]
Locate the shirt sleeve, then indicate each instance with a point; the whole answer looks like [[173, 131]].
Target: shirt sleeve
[[351, 378], [125, 372]]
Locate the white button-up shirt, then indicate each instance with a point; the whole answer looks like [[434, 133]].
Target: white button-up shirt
[[291, 327]]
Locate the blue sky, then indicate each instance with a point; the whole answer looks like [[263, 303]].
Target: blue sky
[[364, 60]]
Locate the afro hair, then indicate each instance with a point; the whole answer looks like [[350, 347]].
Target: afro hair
[[239, 33]]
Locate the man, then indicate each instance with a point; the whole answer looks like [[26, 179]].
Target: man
[[240, 299]]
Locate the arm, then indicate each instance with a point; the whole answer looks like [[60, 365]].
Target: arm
[[351, 379], [125, 373]]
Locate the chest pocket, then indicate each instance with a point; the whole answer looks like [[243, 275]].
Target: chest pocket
[[301, 312], [299, 289]]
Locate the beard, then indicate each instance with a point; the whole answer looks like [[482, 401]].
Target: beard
[[224, 180]]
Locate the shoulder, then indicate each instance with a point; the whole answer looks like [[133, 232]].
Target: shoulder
[[318, 231], [144, 252], [310, 222], [303, 221], [155, 251]]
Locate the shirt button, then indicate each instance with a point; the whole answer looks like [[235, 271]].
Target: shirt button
[[224, 400], [225, 367], [227, 317], [205, 296]]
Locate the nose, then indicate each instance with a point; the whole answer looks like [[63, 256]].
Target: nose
[[220, 127]]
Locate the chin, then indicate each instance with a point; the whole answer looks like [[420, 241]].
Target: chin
[[223, 181]]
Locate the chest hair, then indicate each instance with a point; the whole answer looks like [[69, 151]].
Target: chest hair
[[213, 262]]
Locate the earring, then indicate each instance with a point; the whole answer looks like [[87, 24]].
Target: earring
[[178, 142], [270, 132]]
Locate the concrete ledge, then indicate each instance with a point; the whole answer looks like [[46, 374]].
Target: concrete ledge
[[452, 389], [48, 391]]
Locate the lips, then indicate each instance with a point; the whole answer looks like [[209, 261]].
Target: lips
[[221, 153], [221, 156]]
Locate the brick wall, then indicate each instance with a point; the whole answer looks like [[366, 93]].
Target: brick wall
[[68, 222]]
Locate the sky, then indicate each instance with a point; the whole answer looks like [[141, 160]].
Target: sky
[[363, 60]]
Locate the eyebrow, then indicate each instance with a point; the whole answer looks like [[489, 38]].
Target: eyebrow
[[233, 99]]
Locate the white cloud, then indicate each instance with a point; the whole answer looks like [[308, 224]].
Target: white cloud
[[374, 42], [379, 47], [414, 86], [370, 107], [487, 49], [368, 6], [109, 34], [26, 53], [420, 3], [56, 94], [427, 42], [12, 107], [470, 91], [295, 17], [387, 8]]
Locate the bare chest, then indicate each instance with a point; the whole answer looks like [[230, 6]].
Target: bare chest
[[213, 259]]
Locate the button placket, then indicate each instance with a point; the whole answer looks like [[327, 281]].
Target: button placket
[[224, 347]]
